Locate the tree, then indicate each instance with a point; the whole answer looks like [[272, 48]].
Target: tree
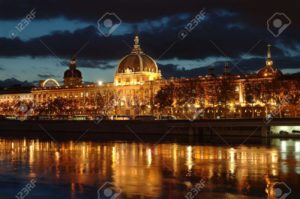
[[212, 92], [57, 105], [266, 94], [294, 100], [106, 101], [164, 98], [183, 93], [252, 94], [226, 92]]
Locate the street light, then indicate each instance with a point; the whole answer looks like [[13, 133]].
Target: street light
[[100, 83]]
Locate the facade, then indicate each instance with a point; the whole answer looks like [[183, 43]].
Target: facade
[[10, 96], [138, 89]]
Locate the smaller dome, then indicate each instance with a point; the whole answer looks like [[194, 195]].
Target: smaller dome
[[269, 69], [72, 76], [72, 72]]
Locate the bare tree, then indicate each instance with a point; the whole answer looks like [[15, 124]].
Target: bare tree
[[164, 98]]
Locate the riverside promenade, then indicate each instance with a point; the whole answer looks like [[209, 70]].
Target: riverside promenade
[[222, 127]]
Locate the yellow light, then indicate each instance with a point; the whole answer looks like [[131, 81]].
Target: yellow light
[[100, 83], [297, 146], [149, 157]]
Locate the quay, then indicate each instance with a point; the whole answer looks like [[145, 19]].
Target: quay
[[285, 128]]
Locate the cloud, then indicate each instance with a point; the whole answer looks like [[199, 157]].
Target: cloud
[[12, 82], [89, 10], [228, 31], [136, 10], [172, 70], [46, 76], [222, 32], [200, 43], [91, 63]]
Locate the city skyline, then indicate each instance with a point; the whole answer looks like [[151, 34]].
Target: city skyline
[[227, 34], [149, 99]]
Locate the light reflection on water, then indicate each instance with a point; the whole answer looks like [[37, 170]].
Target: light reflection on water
[[76, 170]]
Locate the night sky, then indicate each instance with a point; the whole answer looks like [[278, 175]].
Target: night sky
[[231, 31]]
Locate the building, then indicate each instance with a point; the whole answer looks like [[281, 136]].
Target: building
[[139, 89]]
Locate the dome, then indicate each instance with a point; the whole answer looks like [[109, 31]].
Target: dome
[[72, 72], [72, 76], [137, 61], [269, 69]]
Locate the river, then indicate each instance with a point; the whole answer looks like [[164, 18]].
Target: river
[[41, 169]]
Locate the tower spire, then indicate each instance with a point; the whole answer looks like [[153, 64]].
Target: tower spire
[[136, 41], [269, 56], [210, 70], [72, 63], [226, 68], [136, 46], [269, 61]]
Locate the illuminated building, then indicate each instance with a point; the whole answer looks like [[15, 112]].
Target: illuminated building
[[138, 80], [136, 68]]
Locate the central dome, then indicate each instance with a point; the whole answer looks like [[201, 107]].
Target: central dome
[[137, 61]]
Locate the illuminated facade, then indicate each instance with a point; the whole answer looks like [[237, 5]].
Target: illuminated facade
[[138, 80]]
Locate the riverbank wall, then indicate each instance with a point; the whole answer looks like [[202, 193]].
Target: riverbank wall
[[225, 127]]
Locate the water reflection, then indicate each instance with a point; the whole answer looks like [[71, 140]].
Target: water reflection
[[164, 170]]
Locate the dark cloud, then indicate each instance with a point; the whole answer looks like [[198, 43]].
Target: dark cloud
[[170, 70], [205, 40], [12, 82], [211, 38], [231, 29], [46, 76], [90, 10], [90, 63], [136, 10]]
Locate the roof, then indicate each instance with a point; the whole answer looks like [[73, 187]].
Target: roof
[[137, 61]]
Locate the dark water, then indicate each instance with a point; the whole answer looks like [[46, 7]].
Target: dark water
[[69, 169]]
